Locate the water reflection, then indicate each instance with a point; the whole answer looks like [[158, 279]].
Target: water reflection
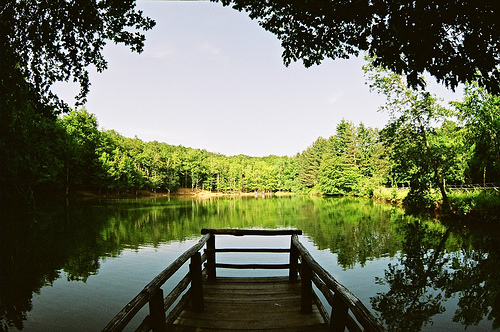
[[435, 262], [438, 263]]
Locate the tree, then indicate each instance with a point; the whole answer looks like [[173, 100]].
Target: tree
[[354, 161], [43, 42], [339, 171], [413, 113], [309, 161], [479, 112], [454, 151], [452, 40], [51, 41], [82, 137]]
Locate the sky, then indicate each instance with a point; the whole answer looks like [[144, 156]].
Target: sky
[[211, 78]]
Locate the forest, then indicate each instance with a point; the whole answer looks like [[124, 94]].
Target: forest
[[436, 147], [46, 148]]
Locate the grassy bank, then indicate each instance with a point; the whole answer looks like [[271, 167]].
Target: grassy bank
[[393, 195], [464, 203], [476, 202]]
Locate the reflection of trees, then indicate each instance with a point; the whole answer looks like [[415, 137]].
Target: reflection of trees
[[33, 253], [73, 241], [414, 296], [427, 275], [475, 279], [357, 230]]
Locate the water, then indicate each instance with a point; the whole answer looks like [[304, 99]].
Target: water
[[79, 264]]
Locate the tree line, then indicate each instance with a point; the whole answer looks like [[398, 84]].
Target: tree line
[[422, 147], [78, 156]]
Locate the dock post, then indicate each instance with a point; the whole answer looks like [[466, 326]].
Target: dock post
[[306, 288], [157, 312], [196, 283], [294, 263], [211, 258], [338, 318]]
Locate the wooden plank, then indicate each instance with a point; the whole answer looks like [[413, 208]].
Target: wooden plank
[[257, 287], [277, 250], [306, 289], [242, 232], [252, 280], [249, 319], [253, 266], [264, 323], [243, 304], [157, 312], [294, 263], [256, 304], [315, 328], [196, 283]]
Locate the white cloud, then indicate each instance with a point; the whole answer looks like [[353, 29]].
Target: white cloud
[[335, 97], [213, 52], [160, 51]]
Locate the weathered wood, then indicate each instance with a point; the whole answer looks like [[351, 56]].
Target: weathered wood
[[129, 311], [177, 291], [338, 318], [352, 325], [167, 301], [156, 312], [253, 266], [323, 288], [257, 304], [248, 303], [196, 283], [306, 289], [362, 314], [176, 311], [321, 307], [242, 232], [277, 250], [294, 263], [210, 252]]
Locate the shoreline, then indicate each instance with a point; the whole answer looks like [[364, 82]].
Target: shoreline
[[181, 192]]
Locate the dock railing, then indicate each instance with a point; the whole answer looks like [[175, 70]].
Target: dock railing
[[347, 310], [153, 294], [211, 250]]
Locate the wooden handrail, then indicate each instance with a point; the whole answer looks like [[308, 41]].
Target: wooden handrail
[[242, 232], [340, 293], [211, 264], [339, 297], [119, 322]]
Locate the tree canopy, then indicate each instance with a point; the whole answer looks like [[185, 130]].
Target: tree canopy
[[455, 41], [43, 42], [51, 41]]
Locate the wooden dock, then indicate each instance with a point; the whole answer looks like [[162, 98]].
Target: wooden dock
[[256, 304], [203, 301]]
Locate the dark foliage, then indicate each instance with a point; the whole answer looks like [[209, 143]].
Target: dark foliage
[[455, 41]]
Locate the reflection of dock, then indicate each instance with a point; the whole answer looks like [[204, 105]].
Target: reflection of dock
[[213, 303]]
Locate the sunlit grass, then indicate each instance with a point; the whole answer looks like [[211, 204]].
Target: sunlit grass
[[390, 194], [466, 201]]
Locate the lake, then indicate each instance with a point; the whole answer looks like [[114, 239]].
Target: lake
[[80, 262]]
